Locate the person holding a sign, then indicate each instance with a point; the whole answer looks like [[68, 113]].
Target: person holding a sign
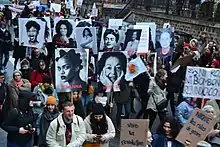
[[99, 127]]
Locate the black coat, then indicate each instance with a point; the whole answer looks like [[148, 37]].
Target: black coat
[[45, 120]]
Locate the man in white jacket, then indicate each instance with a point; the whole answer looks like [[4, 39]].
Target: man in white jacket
[[67, 130]]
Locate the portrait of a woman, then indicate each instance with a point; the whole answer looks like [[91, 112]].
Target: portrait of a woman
[[64, 29], [111, 38], [87, 40], [111, 71], [164, 46], [32, 29], [67, 71]]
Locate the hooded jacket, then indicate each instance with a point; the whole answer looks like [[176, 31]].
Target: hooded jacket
[[19, 117], [45, 119]]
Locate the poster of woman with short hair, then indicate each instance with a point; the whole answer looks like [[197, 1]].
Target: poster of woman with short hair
[[31, 32], [71, 69], [164, 43], [111, 70], [64, 33], [86, 39]]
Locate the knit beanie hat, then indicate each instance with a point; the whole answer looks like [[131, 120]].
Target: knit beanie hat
[[17, 71], [51, 100], [98, 109]]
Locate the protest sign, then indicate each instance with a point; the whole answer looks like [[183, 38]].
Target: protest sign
[[44, 2], [144, 40], [115, 23], [57, 1], [202, 82], [196, 128], [133, 132], [55, 7]]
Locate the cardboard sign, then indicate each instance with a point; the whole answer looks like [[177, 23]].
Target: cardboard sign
[[57, 1], [133, 132], [196, 128], [91, 145], [44, 2], [202, 82]]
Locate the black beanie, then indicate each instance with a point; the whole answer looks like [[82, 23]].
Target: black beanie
[[98, 109]]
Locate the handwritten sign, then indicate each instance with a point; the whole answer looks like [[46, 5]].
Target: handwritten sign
[[196, 128], [133, 132], [55, 7], [202, 82], [115, 23], [144, 40]]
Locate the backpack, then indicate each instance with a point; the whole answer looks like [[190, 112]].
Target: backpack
[[58, 124]]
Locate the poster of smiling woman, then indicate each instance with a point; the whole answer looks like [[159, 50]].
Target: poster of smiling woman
[[64, 33], [31, 32], [164, 43], [111, 70], [71, 75]]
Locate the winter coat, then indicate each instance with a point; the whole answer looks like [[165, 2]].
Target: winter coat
[[156, 94], [79, 109], [44, 122], [3, 90], [14, 91], [109, 135], [42, 98], [17, 118], [37, 77], [161, 141], [183, 112], [56, 136], [122, 96]]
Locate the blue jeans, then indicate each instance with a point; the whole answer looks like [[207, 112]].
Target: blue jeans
[[10, 144], [119, 112]]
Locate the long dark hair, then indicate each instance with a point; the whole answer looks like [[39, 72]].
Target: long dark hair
[[99, 128], [39, 69], [174, 125]]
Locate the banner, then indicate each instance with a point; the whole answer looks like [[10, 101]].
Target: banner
[[133, 132], [202, 82], [196, 128]]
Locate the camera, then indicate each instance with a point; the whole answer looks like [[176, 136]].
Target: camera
[[29, 127]]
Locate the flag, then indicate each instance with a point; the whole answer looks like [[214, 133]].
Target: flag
[[134, 68]]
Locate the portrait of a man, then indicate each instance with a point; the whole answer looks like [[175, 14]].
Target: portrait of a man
[[67, 70]]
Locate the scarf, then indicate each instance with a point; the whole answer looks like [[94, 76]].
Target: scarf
[[18, 84]]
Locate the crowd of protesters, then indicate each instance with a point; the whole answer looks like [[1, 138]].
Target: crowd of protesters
[[33, 113]]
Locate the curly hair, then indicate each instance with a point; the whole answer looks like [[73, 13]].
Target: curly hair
[[99, 128], [87, 29], [31, 24], [121, 56], [46, 32], [68, 26], [111, 31], [69, 56], [174, 126]]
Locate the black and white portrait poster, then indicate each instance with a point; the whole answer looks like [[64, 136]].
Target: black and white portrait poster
[[71, 69], [86, 39], [143, 46], [165, 43], [111, 70], [110, 40], [64, 33], [47, 34], [132, 41], [31, 32]]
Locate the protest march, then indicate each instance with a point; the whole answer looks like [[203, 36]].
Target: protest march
[[69, 79]]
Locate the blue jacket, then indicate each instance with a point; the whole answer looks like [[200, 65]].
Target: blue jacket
[[161, 141], [183, 112]]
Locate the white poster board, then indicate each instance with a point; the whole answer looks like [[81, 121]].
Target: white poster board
[[115, 23], [55, 7], [202, 83], [143, 45]]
